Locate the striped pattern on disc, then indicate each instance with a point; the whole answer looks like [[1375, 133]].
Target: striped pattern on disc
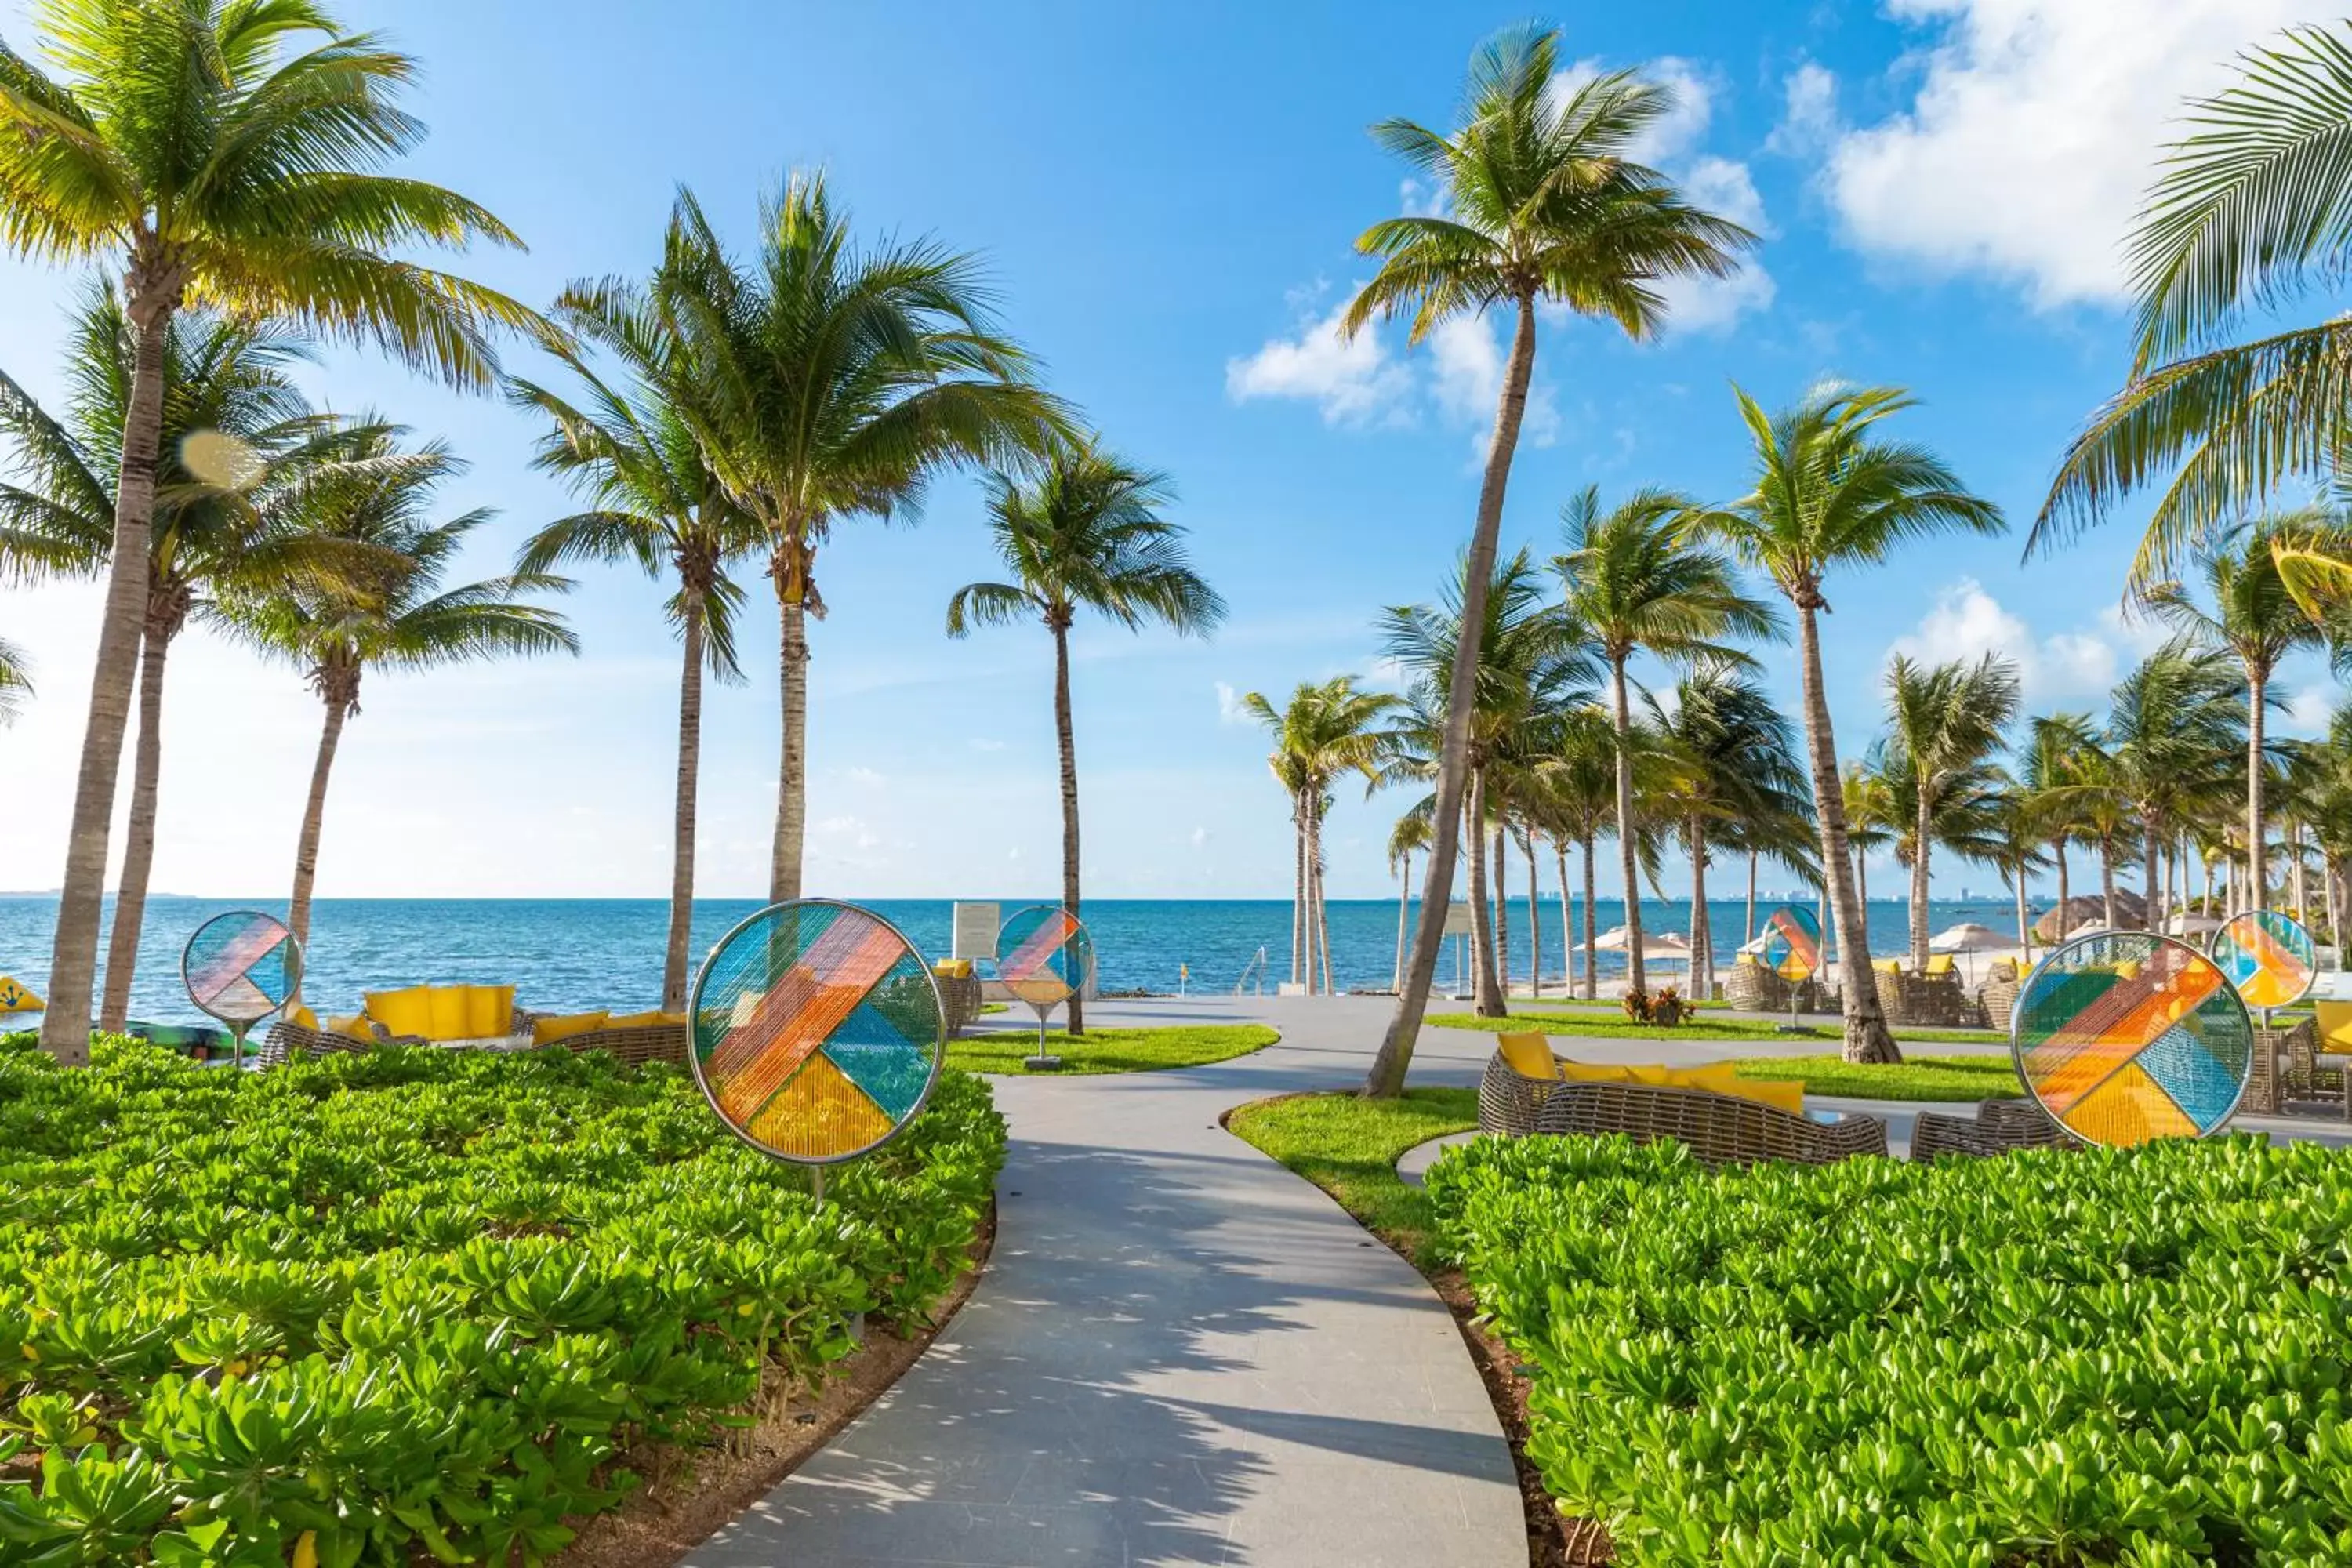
[[1792, 943], [1043, 955], [2268, 956], [240, 967], [817, 1031], [2127, 1037]]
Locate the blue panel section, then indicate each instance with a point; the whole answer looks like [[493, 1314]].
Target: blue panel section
[[893, 1073], [2198, 1082]]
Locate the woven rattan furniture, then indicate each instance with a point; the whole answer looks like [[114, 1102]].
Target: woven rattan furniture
[[2000, 994], [1509, 1100], [1999, 1126], [2273, 1049], [1927, 1002], [636, 1047], [1718, 1128], [2310, 1073], [1761, 990], [959, 1000]]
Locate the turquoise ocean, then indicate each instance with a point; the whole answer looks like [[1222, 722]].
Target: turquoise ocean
[[571, 954]]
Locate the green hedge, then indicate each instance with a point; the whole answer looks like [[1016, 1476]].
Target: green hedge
[[2056, 1357], [413, 1305]]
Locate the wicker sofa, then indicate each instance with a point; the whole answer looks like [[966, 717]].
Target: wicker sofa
[[1930, 1001], [1999, 1126], [643, 1038], [1720, 1127], [959, 993], [1758, 989]]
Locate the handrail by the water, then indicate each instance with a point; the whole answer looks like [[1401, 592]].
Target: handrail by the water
[[1255, 967]]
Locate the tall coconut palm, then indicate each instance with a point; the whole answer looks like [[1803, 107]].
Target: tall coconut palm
[[1085, 534], [2252, 208], [1324, 730], [2016, 846], [2258, 621], [1578, 804], [833, 381], [625, 448], [2056, 748], [1962, 817], [236, 432], [2175, 726], [1873, 819], [1543, 204], [1948, 721], [404, 621], [16, 681], [1637, 584], [1833, 492], [1410, 835], [217, 151], [1531, 660]]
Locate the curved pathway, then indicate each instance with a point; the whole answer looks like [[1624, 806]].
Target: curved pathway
[[1180, 1352]]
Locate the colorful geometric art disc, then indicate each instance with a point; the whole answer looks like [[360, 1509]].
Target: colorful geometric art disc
[[1043, 955], [817, 1031], [2268, 956], [240, 967], [2127, 1037], [1792, 943]]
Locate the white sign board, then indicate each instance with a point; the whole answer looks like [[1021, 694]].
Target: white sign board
[[1457, 918], [975, 931]]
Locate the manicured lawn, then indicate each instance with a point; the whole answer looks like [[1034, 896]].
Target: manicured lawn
[[1921, 1077], [1111, 1050], [1349, 1147], [1603, 1024]]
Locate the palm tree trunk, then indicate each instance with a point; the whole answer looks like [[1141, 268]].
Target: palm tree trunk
[[2328, 872], [1591, 926], [1322, 910], [1861, 877], [1922, 853], [2256, 679], [314, 813], [2107, 879], [1566, 921], [139, 836], [1866, 1036], [1502, 887], [2207, 863], [152, 296], [1621, 720], [1486, 986], [1534, 923], [676, 950], [791, 788], [2058, 845], [1751, 934], [1298, 887], [1404, 903], [2151, 890], [2024, 929], [1065, 736], [1386, 1078], [2294, 868], [1702, 960]]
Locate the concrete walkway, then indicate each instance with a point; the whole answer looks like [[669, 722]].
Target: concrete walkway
[[1180, 1352]]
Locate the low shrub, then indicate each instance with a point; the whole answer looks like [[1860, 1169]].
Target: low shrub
[[414, 1305], [2134, 1358]]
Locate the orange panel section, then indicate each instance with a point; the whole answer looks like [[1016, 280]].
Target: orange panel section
[[2068, 1065], [800, 1014]]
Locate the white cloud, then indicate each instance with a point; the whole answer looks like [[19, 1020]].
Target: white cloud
[[2027, 145], [1229, 706], [865, 778], [1200, 837], [1466, 378], [1726, 189], [1673, 133], [1419, 200], [1353, 381], [1808, 118], [2309, 709], [1967, 623]]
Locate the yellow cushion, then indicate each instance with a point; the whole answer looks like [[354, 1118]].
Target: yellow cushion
[[1788, 1096], [1653, 1074], [1527, 1054], [303, 1018], [1887, 966], [2127, 969], [645, 1020], [354, 1028], [489, 1010], [1939, 963], [1715, 1077], [447, 1006], [1594, 1072], [547, 1031], [408, 1012], [2334, 1023], [952, 969], [1748, 958]]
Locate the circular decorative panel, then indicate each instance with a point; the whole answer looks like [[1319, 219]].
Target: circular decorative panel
[[1043, 955], [2127, 1037], [817, 1031], [240, 967], [1792, 943], [2268, 956]]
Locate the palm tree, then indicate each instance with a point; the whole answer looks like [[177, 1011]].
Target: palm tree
[[2256, 619], [1873, 820], [2252, 208], [831, 382], [1948, 720], [1635, 584], [1409, 834], [1325, 729], [221, 152], [1086, 534], [1531, 660], [1543, 204], [2174, 727], [2057, 748], [2014, 841], [1577, 804], [631, 453], [230, 409], [1963, 816], [405, 621], [1831, 492], [16, 681]]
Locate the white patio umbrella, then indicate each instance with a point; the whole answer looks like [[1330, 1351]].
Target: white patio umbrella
[[2190, 923], [1655, 944], [1969, 937]]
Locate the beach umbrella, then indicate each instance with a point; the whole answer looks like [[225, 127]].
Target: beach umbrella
[[17, 998], [1655, 944], [2190, 923], [1969, 937]]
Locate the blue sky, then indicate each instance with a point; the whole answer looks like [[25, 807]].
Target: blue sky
[[1167, 199]]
